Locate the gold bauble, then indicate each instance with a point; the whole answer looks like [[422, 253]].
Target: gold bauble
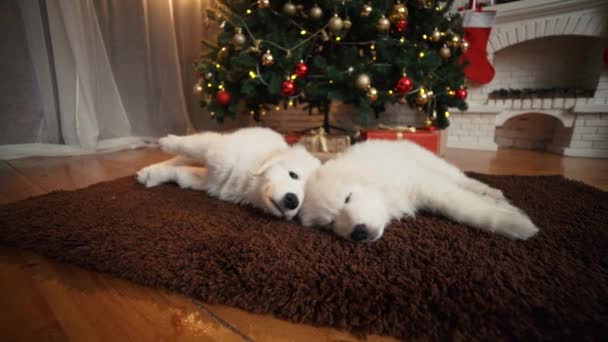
[[198, 88], [366, 10], [455, 40], [335, 24], [398, 13], [267, 59], [263, 3], [445, 52], [435, 36], [347, 23], [422, 98], [372, 94], [363, 81], [383, 24], [464, 46], [316, 12], [289, 9], [428, 122]]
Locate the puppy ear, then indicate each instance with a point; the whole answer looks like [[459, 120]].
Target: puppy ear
[[266, 164]]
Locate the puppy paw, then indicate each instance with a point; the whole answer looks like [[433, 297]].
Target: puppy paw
[[515, 225], [170, 144], [154, 175]]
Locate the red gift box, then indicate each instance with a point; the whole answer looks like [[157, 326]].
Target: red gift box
[[427, 138]]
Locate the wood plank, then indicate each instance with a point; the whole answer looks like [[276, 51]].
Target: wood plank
[[15, 186]]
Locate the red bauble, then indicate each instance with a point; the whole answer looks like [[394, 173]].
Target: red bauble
[[404, 85], [223, 97], [288, 88], [401, 25], [461, 93], [301, 69]]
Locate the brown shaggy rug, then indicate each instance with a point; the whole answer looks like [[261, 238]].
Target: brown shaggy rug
[[427, 278]]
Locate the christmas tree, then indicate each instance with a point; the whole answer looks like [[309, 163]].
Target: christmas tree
[[273, 53]]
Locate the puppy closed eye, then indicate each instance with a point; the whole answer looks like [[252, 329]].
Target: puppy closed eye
[[293, 175], [347, 199]]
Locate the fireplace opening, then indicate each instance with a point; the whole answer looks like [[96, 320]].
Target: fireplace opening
[[534, 131]]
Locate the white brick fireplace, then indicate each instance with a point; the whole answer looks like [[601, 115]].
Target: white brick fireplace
[[539, 44]]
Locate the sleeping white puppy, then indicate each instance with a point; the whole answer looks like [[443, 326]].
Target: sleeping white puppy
[[252, 166], [357, 194]]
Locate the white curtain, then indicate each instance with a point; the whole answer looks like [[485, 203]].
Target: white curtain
[[104, 74]]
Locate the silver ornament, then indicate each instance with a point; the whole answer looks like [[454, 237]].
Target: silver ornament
[[335, 24], [239, 38], [263, 3], [445, 52], [383, 24], [316, 12], [363, 81], [267, 59], [289, 9], [372, 94], [366, 10], [347, 24]]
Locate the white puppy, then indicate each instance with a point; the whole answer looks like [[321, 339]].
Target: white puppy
[[357, 194], [250, 166]]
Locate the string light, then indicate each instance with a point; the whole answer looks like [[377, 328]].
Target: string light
[[424, 36], [277, 108], [303, 32], [293, 77], [248, 11], [372, 47], [290, 103], [218, 66], [338, 38], [253, 74], [402, 40], [447, 114], [421, 54], [221, 86], [331, 81], [209, 85], [390, 92]]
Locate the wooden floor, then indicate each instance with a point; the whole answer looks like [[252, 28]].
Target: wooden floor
[[41, 300]]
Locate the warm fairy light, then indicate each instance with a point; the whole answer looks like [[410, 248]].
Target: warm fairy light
[[303, 32], [209, 85], [372, 47], [252, 74], [293, 77], [218, 66], [424, 36], [437, 8], [447, 114], [390, 92], [402, 40], [290, 103], [338, 38], [251, 112], [421, 54], [331, 81], [277, 108], [422, 90], [451, 92], [220, 87], [248, 11]]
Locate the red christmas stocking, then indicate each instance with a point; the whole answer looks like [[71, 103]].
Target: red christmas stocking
[[477, 28]]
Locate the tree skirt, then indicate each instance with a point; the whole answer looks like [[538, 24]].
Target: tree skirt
[[425, 278]]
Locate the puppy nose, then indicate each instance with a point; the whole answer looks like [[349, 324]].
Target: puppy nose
[[291, 201], [359, 233]]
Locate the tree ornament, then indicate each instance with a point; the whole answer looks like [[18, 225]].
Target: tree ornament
[[263, 3], [401, 25], [454, 41], [404, 85], [288, 88], [383, 24], [423, 97], [372, 94], [366, 10], [435, 36], [402, 100], [198, 88], [398, 13], [316, 12], [239, 38], [462, 93], [464, 46], [347, 23], [267, 58], [363, 81], [428, 123], [223, 53], [445, 52], [223, 97], [301, 69], [335, 24], [208, 75], [289, 9]]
